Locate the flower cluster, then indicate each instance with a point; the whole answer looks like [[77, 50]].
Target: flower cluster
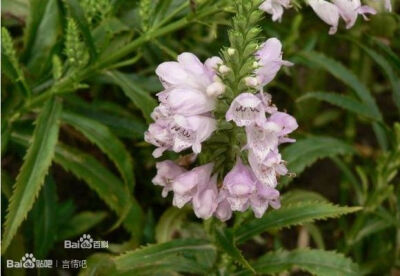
[[329, 12], [184, 119]]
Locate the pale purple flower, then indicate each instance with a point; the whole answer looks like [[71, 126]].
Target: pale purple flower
[[328, 12], [286, 122], [268, 169], [246, 109], [388, 5], [350, 9], [262, 198], [266, 98], [261, 139], [186, 184], [239, 185], [275, 8], [223, 211], [167, 171], [205, 200], [187, 101], [161, 111], [188, 73], [191, 131], [160, 136], [270, 60]]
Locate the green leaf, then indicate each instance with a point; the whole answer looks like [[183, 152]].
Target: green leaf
[[176, 255], [106, 141], [306, 151], [106, 184], [342, 101], [297, 195], [99, 264], [225, 240], [44, 219], [34, 169], [116, 118], [387, 70], [314, 261], [109, 187], [289, 215], [170, 221], [78, 14], [42, 32], [80, 224], [14, 252], [138, 96], [346, 76], [393, 57]]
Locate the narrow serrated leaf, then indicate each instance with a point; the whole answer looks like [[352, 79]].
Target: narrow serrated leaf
[[44, 219], [346, 76], [109, 187], [164, 256], [34, 169], [342, 101], [306, 151], [80, 223], [289, 215], [138, 96], [99, 134], [314, 261]]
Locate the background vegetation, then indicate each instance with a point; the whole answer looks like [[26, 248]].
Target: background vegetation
[[78, 86]]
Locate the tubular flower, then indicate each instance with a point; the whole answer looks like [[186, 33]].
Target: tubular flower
[[183, 119], [350, 9], [328, 12], [167, 171], [275, 8], [245, 110], [269, 58]]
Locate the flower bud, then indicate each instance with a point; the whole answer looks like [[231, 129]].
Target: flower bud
[[231, 51], [223, 69], [215, 89], [251, 81]]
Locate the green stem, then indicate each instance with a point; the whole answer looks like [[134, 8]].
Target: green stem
[[67, 84]]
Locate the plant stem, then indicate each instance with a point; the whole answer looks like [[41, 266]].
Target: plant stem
[[67, 84]]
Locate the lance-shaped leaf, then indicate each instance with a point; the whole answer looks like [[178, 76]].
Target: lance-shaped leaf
[[44, 27], [80, 223], [342, 101], [45, 219], [99, 134], [109, 187], [138, 96], [289, 215], [346, 76], [34, 169], [306, 151], [176, 255], [314, 261]]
